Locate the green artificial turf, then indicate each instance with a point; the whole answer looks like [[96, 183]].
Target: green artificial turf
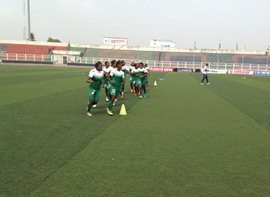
[[183, 140]]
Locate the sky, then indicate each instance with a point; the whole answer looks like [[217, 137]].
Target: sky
[[208, 22]]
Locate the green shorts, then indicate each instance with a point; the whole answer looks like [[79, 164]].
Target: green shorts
[[115, 91], [144, 82], [93, 94], [138, 82], [106, 84]]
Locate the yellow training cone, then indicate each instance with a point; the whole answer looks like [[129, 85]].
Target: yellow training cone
[[155, 84], [123, 111]]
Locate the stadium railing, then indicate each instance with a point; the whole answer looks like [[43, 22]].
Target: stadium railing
[[176, 64], [90, 61], [25, 58]]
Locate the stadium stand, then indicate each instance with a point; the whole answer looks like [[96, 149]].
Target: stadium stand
[[42, 51], [250, 59], [186, 57], [221, 57], [28, 47]]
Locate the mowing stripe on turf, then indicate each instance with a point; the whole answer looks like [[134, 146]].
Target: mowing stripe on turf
[[18, 93], [253, 101]]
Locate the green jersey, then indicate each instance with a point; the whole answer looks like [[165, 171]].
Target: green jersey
[[96, 77], [135, 73], [117, 77]]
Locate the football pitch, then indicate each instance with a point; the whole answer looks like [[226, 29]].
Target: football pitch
[[183, 140]]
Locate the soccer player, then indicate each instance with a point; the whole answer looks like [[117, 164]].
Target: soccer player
[[116, 79], [126, 69], [205, 74], [135, 77], [144, 79], [141, 80], [107, 69], [132, 89], [113, 64], [94, 79]]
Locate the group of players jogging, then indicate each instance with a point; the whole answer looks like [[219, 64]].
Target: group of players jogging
[[112, 76]]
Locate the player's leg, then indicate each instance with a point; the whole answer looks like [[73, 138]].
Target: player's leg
[[131, 84], [139, 86], [112, 99], [96, 97], [91, 95], [206, 77], [134, 85], [107, 92], [203, 79], [144, 89], [122, 90]]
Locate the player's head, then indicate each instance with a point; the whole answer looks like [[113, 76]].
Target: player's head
[[141, 65], [113, 63], [119, 64], [206, 64], [107, 64], [98, 66], [145, 65], [123, 63]]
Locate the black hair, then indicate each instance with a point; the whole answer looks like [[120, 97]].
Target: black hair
[[106, 62], [97, 64], [118, 62], [113, 61], [207, 64]]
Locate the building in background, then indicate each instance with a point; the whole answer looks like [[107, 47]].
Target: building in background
[[115, 41], [162, 43]]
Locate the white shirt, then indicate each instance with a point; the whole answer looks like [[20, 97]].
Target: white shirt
[[108, 70], [117, 73], [128, 68], [96, 73], [134, 70], [147, 68], [204, 70]]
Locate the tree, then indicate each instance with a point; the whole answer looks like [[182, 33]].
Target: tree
[[68, 46], [53, 40], [32, 37]]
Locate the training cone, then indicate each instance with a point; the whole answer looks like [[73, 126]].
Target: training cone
[[123, 111], [155, 84]]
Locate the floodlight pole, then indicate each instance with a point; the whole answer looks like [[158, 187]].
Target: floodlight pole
[[28, 19], [268, 51]]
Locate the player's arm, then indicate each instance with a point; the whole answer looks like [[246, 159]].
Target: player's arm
[[109, 78], [123, 79], [89, 80], [90, 77], [145, 75]]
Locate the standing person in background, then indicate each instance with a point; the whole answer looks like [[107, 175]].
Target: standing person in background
[[205, 74]]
